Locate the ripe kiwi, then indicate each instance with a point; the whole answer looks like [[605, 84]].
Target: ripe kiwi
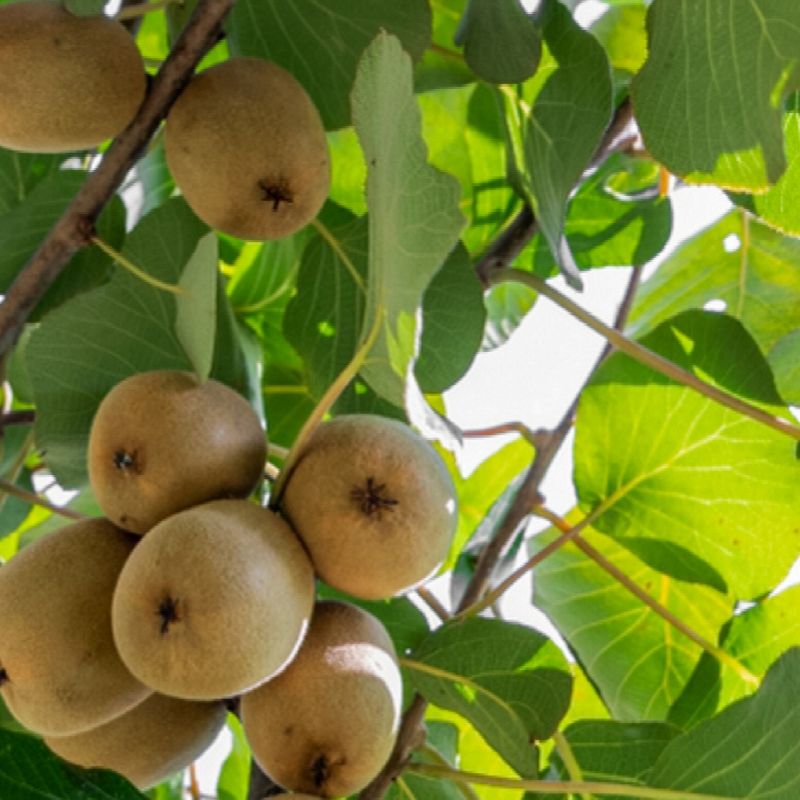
[[163, 441], [149, 743], [247, 149], [213, 601], [59, 670], [374, 505], [327, 724], [68, 82]]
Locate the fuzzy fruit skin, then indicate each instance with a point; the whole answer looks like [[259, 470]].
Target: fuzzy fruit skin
[[63, 672], [327, 724], [242, 590], [149, 743], [189, 442], [68, 82], [239, 129], [392, 548]]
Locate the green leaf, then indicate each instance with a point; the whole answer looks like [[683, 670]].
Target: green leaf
[[747, 266], [565, 125], [506, 306], [757, 637], [98, 338], [616, 218], [321, 41], [784, 358], [695, 489], [615, 752], [622, 33], [85, 8], [484, 489], [511, 682], [414, 219], [441, 748], [29, 771], [748, 750], [709, 100], [501, 42], [234, 776], [639, 663], [24, 226], [441, 66], [453, 318], [153, 175], [196, 312], [21, 172]]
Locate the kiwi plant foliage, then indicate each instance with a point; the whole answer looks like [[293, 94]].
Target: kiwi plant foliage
[[423, 178]]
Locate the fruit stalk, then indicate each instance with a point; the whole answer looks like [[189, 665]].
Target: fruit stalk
[[73, 229]]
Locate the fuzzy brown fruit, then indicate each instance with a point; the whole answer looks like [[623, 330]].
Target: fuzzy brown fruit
[[68, 82], [327, 724], [162, 441], [247, 149], [59, 669], [373, 503], [213, 601], [149, 743]]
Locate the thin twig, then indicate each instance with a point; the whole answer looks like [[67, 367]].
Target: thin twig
[[7, 487], [615, 572], [432, 601], [559, 787], [73, 229], [17, 418], [534, 437], [564, 750], [648, 357]]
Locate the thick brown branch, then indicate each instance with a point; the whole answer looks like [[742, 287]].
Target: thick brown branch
[[73, 229], [512, 240]]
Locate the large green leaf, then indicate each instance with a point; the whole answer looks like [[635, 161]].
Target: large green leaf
[[98, 338], [695, 489], [615, 752], [21, 172], [757, 637], [414, 218], [616, 218], [709, 100], [511, 682], [441, 66], [747, 751], [25, 225], [747, 266], [638, 661], [29, 771], [565, 125], [321, 41], [502, 44]]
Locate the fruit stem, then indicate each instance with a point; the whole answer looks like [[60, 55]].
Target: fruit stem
[[615, 572], [324, 406], [433, 603], [132, 268], [140, 9], [647, 357], [567, 755], [337, 248], [558, 787]]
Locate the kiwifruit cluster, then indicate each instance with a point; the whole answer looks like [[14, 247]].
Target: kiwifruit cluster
[[244, 142], [123, 639]]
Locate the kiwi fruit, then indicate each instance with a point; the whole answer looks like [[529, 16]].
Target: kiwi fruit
[[163, 441], [213, 601], [69, 82], [374, 504], [326, 725], [155, 739], [59, 669], [247, 148]]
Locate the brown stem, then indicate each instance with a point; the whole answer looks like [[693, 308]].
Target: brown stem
[[17, 418], [73, 229], [7, 487]]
